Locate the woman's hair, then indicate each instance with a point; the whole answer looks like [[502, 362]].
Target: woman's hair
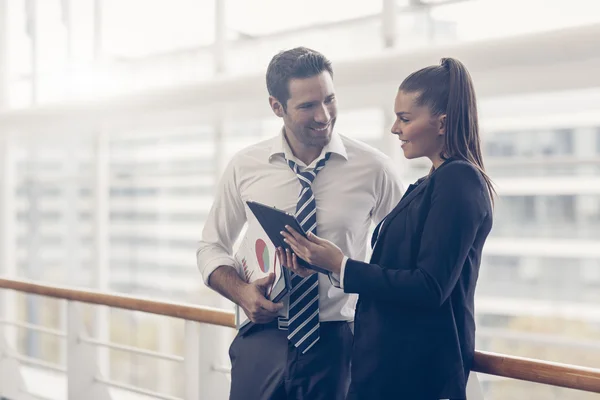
[[448, 89]]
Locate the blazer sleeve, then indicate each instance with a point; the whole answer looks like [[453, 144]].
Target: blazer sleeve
[[459, 205]]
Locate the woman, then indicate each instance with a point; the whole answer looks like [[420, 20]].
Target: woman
[[414, 324]]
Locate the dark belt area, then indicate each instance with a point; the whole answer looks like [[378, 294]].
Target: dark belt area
[[324, 325]]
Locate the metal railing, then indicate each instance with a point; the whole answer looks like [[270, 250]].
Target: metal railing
[[87, 383]]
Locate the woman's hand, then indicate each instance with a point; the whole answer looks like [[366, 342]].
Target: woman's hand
[[314, 250], [289, 260]]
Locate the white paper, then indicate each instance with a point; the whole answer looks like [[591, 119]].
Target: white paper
[[256, 258]]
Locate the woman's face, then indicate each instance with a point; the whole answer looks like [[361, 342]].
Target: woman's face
[[421, 134]]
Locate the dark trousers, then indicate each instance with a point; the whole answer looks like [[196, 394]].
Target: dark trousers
[[266, 366]]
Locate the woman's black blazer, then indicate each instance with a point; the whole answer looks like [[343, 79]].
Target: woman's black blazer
[[414, 325]]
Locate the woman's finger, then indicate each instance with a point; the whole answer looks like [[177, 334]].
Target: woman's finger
[[292, 232], [280, 256], [289, 238], [288, 257], [314, 238], [304, 272], [298, 237], [294, 265], [297, 250]]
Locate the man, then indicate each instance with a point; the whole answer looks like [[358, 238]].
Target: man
[[332, 183]]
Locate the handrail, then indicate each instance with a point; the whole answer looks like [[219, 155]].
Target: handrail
[[531, 370], [207, 315]]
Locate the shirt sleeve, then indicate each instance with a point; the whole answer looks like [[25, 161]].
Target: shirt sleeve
[[222, 227], [390, 190]]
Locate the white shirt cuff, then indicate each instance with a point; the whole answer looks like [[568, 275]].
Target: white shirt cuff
[[342, 271], [338, 280]]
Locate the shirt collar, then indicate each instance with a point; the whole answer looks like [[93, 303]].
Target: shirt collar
[[281, 147]]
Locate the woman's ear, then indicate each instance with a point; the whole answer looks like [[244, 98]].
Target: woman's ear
[[276, 106], [442, 125]]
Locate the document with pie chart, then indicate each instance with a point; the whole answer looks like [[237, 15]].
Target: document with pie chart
[[256, 258]]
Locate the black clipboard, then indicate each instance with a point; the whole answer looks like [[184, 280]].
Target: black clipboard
[[281, 287], [273, 221]]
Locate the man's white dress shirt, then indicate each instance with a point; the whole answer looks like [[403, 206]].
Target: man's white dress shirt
[[359, 186]]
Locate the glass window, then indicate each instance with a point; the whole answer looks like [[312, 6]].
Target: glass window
[[564, 141], [54, 206], [161, 190]]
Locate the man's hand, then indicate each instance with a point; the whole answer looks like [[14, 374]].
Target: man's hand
[[258, 308]]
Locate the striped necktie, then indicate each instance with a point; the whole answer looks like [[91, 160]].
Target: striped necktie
[[303, 323]]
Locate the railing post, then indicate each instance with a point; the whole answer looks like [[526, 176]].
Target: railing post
[[101, 279], [214, 383], [203, 359], [12, 385], [192, 360], [165, 346], [82, 363], [474, 387]]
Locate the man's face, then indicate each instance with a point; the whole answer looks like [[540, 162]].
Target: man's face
[[311, 110]]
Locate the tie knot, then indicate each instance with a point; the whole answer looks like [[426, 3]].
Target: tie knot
[[307, 177]]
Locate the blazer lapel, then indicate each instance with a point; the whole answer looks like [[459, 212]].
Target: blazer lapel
[[406, 200], [412, 191]]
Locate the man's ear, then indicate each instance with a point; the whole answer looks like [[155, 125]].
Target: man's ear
[[442, 124], [276, 106]]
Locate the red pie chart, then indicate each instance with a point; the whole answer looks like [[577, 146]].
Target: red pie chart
[[262, 255]]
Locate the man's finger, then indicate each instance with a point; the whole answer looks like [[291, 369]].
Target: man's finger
[[265, 282], [263, 319], [270, 306]]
